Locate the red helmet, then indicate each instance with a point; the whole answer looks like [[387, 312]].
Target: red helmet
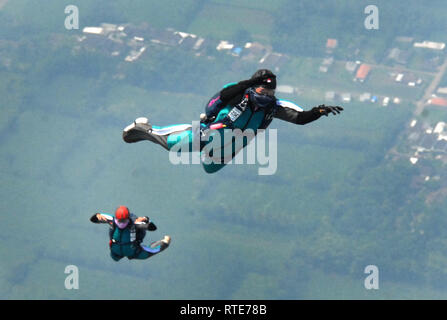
[[122, 213]]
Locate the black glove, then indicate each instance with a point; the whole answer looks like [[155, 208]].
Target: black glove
[[325, 110], [151, 226], [93, 218]]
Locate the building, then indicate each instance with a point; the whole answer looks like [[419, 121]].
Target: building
[[438, 102], [108, 28], [198, 43], [399, 77], [166, 37], [323, 69], [327, 62], [188, 42], [365, 97], [224, 45], [346, 97], [144, 30], [430, 45], [285, 89], [134, 54], [236, 51], [399, 56], [439, 128], [411, 79], [351, 66], [93, 30], [255, 50], [273, 60], [362, 72], [331, 44], [429, 139], [394, 54]]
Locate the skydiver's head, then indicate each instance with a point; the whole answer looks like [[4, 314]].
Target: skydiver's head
[[261, 97], [122, 217], [269, 81]]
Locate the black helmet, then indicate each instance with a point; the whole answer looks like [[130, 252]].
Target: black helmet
[[269, 78]]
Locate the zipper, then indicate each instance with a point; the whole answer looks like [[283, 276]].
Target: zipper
[[121, 241]]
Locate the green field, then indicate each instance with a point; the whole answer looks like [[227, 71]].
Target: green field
[[334, 205], [224, 22]]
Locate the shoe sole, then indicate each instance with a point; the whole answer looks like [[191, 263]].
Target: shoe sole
[[166, 241], [137, 131]]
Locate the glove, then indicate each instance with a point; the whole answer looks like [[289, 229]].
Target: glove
[[325, 110], [151, 226], [94, 218]]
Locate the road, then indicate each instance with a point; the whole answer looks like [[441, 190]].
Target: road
[[430, 89]]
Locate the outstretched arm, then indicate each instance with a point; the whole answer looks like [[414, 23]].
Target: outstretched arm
[[101, 218], [288, 111]]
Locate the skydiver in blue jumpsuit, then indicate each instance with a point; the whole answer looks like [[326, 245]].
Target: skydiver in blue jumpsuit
[[248, 104], [126, 234]]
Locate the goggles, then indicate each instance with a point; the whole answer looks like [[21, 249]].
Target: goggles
[[261, 100], [122, 223], [265, 91]]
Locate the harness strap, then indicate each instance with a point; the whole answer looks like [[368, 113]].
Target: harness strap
[[133, 236], [236, 111]]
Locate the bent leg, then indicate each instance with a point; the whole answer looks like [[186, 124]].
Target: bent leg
[[155, 247]]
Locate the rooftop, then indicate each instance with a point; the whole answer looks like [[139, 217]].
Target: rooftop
[[331, 43], [363, 71], [438, 102], [430, 45]]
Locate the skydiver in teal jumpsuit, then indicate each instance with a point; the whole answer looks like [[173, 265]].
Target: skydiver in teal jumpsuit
[[126, 234], [248, 104]]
